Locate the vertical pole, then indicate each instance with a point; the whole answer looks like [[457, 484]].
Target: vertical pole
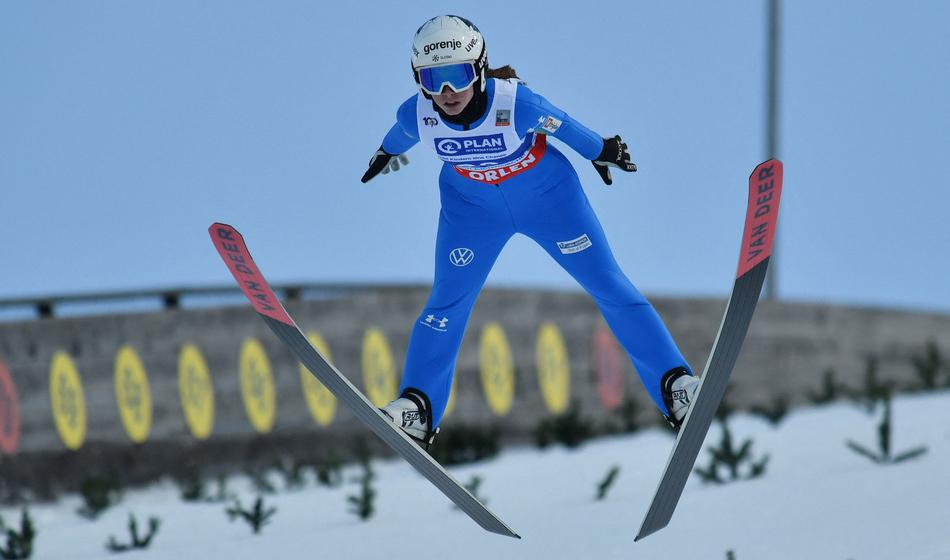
[[772, 116]]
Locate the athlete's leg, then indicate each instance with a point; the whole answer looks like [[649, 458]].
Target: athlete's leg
[[569, 231], [470, 237]]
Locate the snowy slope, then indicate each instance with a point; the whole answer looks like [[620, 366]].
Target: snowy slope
[[817, 500]]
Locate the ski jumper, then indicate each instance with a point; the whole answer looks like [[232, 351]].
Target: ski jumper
[[502, 177]]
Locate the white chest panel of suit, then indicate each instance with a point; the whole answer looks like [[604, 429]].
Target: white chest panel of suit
[[490, 152]]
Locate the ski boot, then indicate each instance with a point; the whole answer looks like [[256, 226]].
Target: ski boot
[[679, 386], [412, 413]]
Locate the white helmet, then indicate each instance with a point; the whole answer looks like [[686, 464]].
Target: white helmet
[[455, 48]]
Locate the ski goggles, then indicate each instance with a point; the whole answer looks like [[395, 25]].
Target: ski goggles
[[459, 77]]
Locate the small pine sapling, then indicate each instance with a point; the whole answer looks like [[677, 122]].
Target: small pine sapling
[[733, 459], [99, 493], [726, 407], [874, 390], [930, 368], [192, 488], [570, 429], [604, 486], [884, 456], [19, 544], [362, 504], [472, 486], [466, 443], [330, 471], [136, 541], [725, 411], [627, 412], [829, 390], [774, 411], [222, 494], [260, 481], [362, 452], [256, 517], [293, 473]]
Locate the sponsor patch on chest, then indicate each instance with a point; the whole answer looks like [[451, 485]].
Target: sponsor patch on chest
[[575, 245], [493, 174], [472, 145]]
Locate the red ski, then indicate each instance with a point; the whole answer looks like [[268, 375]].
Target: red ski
[[233, 251], [765, 191]]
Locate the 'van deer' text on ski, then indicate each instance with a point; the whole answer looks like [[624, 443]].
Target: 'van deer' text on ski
[[253, 287], [763, 207]]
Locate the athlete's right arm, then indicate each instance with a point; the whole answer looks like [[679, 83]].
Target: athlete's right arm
[[402, 136]]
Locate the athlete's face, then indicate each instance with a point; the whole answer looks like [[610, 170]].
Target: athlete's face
[[451, 102]]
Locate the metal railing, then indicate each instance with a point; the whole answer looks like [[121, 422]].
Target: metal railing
[[45, 307]]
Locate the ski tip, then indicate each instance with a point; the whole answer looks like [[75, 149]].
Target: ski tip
[[233, 251], [765, 193], [219, 229], [767, 163]]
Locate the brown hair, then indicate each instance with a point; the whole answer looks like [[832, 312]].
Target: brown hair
[[506, 72]]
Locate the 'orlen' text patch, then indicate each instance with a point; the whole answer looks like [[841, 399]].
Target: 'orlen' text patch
[[574, 245]]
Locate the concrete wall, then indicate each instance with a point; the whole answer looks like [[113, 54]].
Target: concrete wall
[[786, 353]]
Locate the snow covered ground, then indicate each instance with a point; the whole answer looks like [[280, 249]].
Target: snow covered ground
[[817, 500]]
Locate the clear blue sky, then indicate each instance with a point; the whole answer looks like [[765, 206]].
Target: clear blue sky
[[126, 128]]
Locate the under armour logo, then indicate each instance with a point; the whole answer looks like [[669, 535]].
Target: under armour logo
[[436, 324], [461, 256]]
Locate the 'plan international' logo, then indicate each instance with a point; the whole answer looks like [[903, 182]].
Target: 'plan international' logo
[[483, 144]]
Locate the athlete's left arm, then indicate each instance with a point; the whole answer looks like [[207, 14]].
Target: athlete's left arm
[[534, 113]]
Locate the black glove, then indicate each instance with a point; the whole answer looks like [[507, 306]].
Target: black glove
[[383, 162], [614, 154]]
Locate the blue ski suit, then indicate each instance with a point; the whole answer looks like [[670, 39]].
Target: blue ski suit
[[542, 199]]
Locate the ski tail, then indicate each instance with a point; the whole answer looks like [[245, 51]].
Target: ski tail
[[765, 189]]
